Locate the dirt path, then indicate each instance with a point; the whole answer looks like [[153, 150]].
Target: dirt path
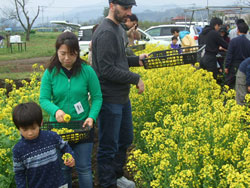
[[22, 65]]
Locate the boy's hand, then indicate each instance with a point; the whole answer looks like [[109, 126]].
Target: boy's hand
[[70, 162]]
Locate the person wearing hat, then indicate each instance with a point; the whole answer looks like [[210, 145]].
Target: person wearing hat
[[111, 64], [238, 50]]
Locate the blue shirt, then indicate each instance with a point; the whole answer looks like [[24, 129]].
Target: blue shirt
[[37, 162], [238, 50], [245, 68]]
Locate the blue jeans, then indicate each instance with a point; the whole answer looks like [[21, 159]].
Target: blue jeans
[[82, 153], [115, 136]]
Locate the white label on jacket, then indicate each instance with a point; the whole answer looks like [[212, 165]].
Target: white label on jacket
[[79, 108], [64, 186]]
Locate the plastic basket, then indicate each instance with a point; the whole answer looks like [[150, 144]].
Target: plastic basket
[[79, 134], [173, 57], [138, 47]]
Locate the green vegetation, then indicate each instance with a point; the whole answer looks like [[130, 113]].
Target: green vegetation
[[40, 45]]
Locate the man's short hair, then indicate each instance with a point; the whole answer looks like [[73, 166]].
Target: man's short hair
[[215, 21], [26, 114], [174, 29], [133, 17], [239, 21], [174, 38], [243, 28]]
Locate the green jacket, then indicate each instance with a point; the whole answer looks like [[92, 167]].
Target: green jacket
[[59, 92]]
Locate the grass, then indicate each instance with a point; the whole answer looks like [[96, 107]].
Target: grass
[[41, 44]]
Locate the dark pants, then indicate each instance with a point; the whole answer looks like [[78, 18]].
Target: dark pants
[[231, 76], [115, 136], [209, 63]]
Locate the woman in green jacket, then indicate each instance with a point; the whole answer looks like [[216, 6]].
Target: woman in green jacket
[[64, 90]]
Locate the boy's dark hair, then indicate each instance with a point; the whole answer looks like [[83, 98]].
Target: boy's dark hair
[[133, 17], [174, 38], [174, 29], [239, 21], [26, 114], [243, 28], [214, 21]]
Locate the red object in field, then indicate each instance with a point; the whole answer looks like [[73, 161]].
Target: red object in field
[[196, 37]]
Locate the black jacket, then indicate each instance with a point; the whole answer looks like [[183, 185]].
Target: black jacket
[[111, 63], [212, 39]]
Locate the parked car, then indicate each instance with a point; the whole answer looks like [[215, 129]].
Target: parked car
[[84, 37], [85, 34], [163, 32], [146, 38]]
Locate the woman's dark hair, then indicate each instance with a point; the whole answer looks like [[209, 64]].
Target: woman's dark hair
[[26, 114], [133, 18], [214, 21], [71, 41], [243, 28], [224, 29]]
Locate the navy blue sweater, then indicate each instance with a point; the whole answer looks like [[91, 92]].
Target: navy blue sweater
[[238, 50], [37, 162], [245, 68]]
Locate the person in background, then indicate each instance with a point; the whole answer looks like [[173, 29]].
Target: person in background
[[90, 46], [131, 33], [234, 32], [115, 119], [35, 159], [174, 45], [64, 90], [130, 27], [222, 52], [238, 50], [243, 81], [185, 38], [1, 41], [212, 39]]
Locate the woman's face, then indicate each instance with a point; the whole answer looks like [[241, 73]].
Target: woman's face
[[66, 58]]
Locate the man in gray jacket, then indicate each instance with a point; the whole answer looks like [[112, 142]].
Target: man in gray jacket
[[115, 119]]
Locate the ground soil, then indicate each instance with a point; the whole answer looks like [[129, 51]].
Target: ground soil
[[25, 65]]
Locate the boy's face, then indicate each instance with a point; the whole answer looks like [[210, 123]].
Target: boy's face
[[31, 132], [174, 42]]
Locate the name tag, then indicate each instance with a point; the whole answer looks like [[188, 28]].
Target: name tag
[[79, 108]]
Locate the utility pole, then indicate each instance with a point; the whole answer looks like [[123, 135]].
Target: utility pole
[[42, 10]]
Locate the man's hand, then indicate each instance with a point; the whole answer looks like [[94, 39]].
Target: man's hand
[[89, 122], [248, 88], [140, 86], [59, 116], [141, 58], [226, 70]]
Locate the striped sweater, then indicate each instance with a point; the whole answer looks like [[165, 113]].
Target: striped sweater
[[36, 163]]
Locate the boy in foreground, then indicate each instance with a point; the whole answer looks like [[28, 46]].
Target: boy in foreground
[[36, 163]]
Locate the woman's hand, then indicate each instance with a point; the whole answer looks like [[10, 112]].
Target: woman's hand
[[88, 122], [59, 116]]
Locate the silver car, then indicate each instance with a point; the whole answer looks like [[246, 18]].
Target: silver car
[[163, 32]]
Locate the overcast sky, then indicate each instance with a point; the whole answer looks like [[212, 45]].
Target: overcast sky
[[51, 9], [63, 4]]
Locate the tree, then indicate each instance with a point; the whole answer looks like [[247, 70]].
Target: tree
[[20, 13]]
